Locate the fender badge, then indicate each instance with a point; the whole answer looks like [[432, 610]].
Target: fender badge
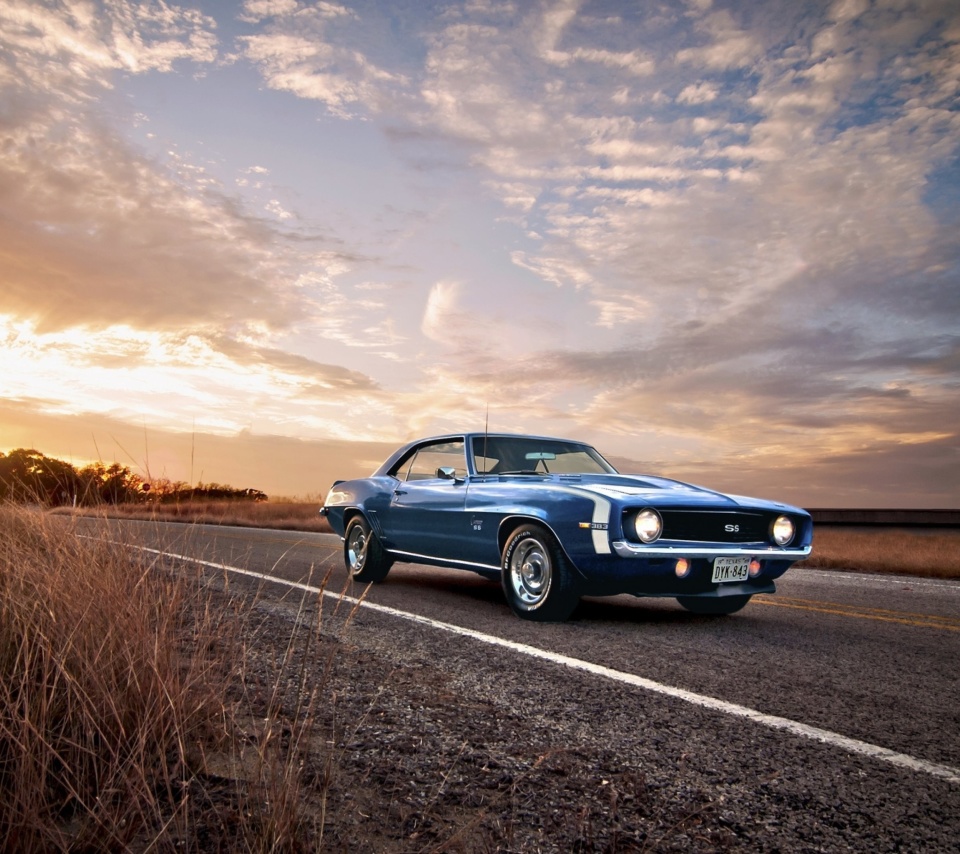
[[594, 526]]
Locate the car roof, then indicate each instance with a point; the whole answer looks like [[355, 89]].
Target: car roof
[[476, 434], [467, 436]]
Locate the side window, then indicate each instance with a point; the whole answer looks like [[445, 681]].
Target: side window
[[430, 458]]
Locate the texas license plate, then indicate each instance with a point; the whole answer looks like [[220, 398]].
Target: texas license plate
[[731, 569]]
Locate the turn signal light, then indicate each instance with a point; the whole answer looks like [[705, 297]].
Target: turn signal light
[[682, 569], [755, 568]]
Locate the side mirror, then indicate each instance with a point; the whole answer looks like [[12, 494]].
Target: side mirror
[[447, 473]]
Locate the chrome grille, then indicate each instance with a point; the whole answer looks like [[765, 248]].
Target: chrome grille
[[700, 526]]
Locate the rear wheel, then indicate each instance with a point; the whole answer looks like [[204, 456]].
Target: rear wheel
[[722, 605], [363, 553], [537, 578]]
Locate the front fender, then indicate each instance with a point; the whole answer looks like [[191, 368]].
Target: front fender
[[511, 522]]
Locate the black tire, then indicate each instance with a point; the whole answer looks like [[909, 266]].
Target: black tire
[[713, 607], [536, 576], [363, 553]]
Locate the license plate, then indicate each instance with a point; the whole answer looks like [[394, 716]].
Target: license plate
[[731, 569]]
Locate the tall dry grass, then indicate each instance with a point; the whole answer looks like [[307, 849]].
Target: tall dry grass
[[903, 551], [288, 515], [121, 687]]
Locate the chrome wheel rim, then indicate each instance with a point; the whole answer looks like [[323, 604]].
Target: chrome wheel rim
[[530, 572], [357, 548]]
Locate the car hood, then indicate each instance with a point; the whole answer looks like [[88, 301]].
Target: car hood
[[658, 491]]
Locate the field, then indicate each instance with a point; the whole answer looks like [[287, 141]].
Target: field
[[928, 552], [931, 552], [287, 515]]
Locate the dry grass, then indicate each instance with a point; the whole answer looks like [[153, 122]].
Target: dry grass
[[120, 686], [288, 515], [933, 553]]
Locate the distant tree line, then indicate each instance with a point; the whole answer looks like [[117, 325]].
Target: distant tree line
[[27, 476]]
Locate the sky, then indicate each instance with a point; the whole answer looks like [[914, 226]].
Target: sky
[[263, 243]]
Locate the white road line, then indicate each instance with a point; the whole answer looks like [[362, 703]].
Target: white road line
[[853, 745]]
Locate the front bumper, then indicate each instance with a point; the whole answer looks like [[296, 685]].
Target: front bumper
[[626, 549]]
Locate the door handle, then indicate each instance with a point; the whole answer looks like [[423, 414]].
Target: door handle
[[399, 492]]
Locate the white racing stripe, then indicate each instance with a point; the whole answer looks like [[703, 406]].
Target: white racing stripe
[[601, 515], [883, 754]]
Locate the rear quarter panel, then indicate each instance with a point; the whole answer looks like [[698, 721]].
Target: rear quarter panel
[[370, 495]]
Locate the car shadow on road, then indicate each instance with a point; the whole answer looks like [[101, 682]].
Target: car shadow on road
[[631, 609], [469, 587]]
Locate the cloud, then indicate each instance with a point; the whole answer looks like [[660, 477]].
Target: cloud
[[635, 62], [100, 235], [725, 44], [441, 315], [138, 287], [96, 230], [65, 49], [277, 209], [255, 11], [224, 385], [698, 93], [296, 53], [624, 308]]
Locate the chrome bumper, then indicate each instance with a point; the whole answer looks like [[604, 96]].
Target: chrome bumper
[[636, 550]]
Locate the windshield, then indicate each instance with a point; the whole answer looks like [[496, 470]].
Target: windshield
[[524, 455]]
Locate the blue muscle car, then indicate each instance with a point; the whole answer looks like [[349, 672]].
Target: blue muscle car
[[553, 520]]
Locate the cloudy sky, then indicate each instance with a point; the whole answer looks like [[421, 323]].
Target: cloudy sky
[[262, 243]]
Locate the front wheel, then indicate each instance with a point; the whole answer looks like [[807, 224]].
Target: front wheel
[[713, 607], [537, 578], [363, 553]]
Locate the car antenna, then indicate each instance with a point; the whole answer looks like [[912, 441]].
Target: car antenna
[[486, 426]]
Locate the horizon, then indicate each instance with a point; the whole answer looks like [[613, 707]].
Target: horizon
[[719, 241], [252, 463]]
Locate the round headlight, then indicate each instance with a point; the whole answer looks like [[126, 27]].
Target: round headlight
[[648, 525], [783, 530]]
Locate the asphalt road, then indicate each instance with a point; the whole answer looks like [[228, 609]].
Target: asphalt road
[[839, 692]]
